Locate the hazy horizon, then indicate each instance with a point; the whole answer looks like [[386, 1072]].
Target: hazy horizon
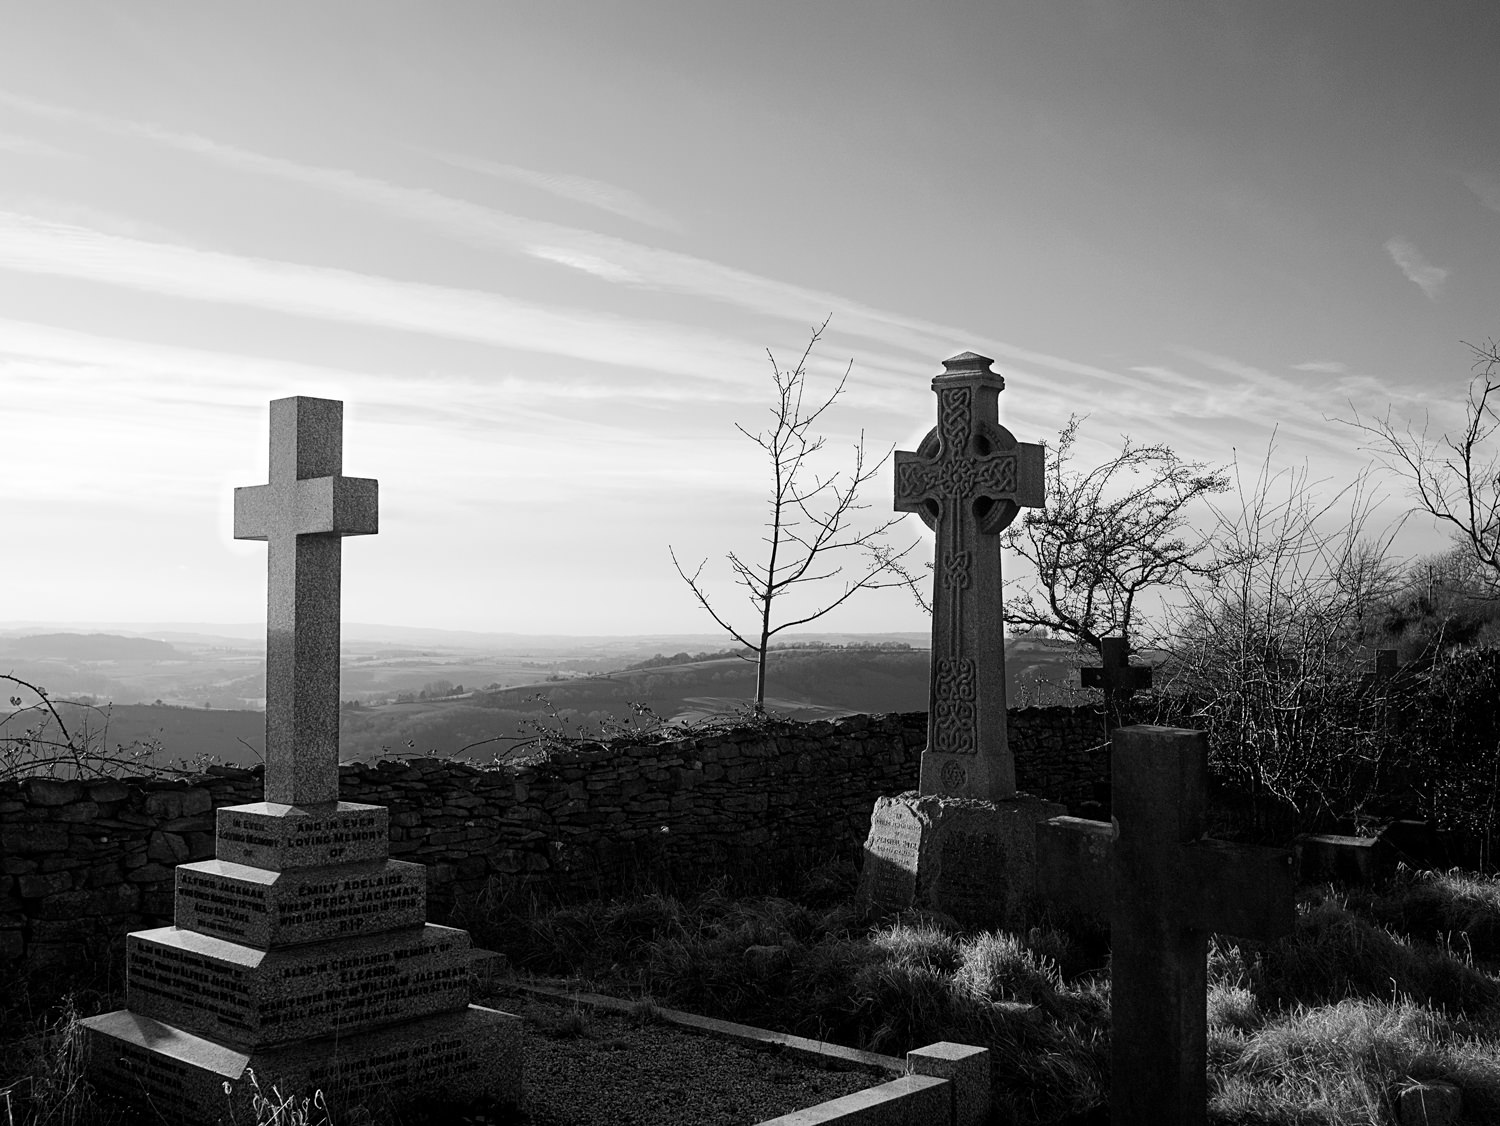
[[540, 253]]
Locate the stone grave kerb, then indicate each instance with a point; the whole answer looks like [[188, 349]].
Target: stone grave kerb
[[968, 480], [1164, 888], [303, 513]]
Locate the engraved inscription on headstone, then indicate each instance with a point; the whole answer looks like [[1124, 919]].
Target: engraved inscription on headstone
[[891, 859], [268, 998], [277, 837], [974, 878], [263, 908]]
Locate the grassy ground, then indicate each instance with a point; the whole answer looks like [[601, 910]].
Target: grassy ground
[[1376, 989]]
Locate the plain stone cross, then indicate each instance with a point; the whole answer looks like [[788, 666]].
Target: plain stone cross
[[1118, 678], [1117, 673], [1165, 888], [303, 514], [968, 480]]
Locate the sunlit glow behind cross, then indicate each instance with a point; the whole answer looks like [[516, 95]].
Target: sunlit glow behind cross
[[303, 514]]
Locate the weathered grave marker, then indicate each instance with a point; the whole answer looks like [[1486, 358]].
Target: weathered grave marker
[[1164, 888], [300, 952], [1118, 679], [1116, 674], [963, 842]]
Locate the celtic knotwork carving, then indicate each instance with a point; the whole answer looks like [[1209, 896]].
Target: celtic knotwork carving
[[954, 709], [914, 479], [957, 478], [955, 414], [953, 775], [955, 569], [997, 474]]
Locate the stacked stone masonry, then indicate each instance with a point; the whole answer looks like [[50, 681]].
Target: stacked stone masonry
[[83, 863]]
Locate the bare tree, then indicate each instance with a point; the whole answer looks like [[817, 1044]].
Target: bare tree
[[1269, 654], [46, 747], [1107, 535], [1455, 480], [811, 521]]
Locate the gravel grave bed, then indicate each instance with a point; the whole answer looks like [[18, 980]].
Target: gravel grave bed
[[593, 1067]]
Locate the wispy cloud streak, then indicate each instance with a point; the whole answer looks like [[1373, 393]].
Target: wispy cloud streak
[[342, 295], [579, 189], [603, 256], [1486, 189], [27, 146], [1420, 272]]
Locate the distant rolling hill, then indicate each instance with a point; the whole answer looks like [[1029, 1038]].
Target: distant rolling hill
[[802, 684], [89, 647]]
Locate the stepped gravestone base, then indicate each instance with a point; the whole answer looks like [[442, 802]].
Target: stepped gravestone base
[[973, 860], [466, 1055], [300, 954]]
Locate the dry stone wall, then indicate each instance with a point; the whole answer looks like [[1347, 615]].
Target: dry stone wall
[[82, 863]]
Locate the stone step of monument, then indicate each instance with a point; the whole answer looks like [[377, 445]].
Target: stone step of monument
[[264, 908], [247, 998], [465, 1054], [280, 837]]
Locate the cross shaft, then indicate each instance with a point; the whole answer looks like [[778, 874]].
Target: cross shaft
[[1164, 889], [303, 513]]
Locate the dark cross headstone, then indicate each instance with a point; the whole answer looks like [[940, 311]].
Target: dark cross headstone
[[304, 513], [1117, 674], [967, 480], [1164, 888], [1118, 679]]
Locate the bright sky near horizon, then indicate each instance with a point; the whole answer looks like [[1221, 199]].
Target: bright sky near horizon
[[540, 250]]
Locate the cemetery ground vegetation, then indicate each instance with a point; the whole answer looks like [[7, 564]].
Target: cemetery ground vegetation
[[1377, 988], [812, 523], [45, 737]]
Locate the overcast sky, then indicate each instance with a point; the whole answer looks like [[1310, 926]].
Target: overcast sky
[[540, 250]]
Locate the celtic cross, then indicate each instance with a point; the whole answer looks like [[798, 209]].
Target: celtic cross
[[303, 514], [968, 480]]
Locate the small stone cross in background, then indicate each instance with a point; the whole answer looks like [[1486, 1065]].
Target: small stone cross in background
[[1118, 678], [968, 480], [1117, 673], [1164, 888], [303, 513]]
